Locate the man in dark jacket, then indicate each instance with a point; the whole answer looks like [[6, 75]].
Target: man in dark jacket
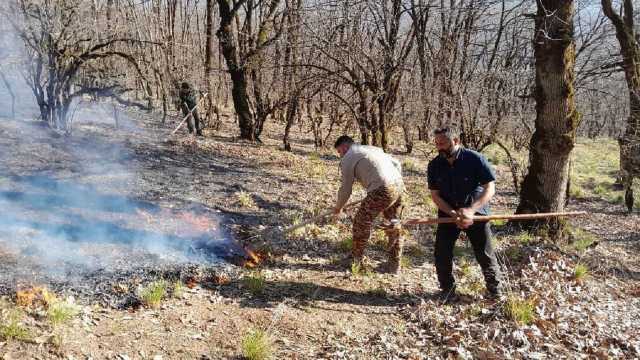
[[188, 101], [462, 183]]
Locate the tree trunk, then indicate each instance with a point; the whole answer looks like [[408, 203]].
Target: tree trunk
[[208, 62], [544, 186], [290, 116], [630, 49], [11, 93], [239, 93]]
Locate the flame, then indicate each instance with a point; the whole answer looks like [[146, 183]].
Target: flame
[[200, 223], [34, 296], [221, 279], [253, 258]]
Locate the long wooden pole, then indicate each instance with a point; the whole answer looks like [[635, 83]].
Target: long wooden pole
[[188, 114], [450, 220]]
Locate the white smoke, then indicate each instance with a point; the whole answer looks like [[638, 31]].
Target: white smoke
[[69, 205]]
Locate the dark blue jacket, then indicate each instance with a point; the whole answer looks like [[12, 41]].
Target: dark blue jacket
[[459, 184]]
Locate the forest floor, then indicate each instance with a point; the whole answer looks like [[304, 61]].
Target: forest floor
[[579, 300]]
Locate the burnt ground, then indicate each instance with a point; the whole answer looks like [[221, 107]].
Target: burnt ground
[[119, 208]]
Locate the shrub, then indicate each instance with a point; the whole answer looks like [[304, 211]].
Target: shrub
[[521, 311], [61, 311], [254, 282], [11, 327], [257, 346], [580, 272], [346, 245], [245, 199], [152, 294]]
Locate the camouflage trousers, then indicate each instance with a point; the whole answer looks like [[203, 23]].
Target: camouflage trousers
[[388, 201]]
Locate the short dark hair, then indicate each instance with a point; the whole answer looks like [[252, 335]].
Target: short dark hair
[[449, 132], [344, 139]]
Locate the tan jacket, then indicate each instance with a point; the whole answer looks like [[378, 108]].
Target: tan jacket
[[371, 167]]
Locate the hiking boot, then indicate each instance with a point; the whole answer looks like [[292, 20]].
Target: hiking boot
[[391, 267], [349, 261], [448, 296], [494, 295]]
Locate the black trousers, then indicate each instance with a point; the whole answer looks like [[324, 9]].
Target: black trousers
[[193, 121], [480, 236]]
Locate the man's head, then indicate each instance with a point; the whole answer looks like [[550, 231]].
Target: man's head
[[343, 144], [447, 141]]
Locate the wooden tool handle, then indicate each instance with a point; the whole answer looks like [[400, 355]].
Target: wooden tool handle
[[449, 220]]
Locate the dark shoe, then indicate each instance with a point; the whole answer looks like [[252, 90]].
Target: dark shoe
[[391, 267], [494, 294], [349, 261], [448, 296]]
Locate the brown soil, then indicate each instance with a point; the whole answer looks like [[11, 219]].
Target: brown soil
[[310, 307]]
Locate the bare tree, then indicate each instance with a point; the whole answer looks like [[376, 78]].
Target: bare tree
[[629, 40], [544, 186], [244, 47], [57, 52]]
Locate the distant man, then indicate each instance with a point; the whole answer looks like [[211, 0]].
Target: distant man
[[188, 101], [381, 175], [462, 183]]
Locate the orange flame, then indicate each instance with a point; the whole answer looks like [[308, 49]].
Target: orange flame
[[32, 296], [253, 258]]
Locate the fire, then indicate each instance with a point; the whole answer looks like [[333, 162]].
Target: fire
[[199, 223], [185, 223], [253, 258], [34, 296]]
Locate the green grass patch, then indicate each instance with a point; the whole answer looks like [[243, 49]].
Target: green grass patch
[[473, 310], [153, 294], [595, 167], [257, 346], [522, 311], [581, 239], [514, 253], [254, 282], [499, 222], [419, 195], [378, 292], [580, 272], [360, 269], [346, 245], [178, 289], [410, 166], [245, 199], [577, 192], [61, 312], [465, 268], [11, 327], [314, 156], [405, 262], [525, 238]]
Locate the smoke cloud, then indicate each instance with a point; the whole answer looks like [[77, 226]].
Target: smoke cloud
[[71, 205]]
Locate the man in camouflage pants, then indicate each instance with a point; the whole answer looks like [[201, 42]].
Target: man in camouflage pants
[[188, 104], [381, 175]]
